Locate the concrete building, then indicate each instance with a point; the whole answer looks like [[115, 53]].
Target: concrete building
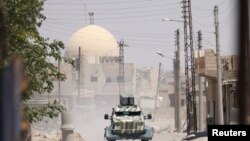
[[99, 63], [207, 69]]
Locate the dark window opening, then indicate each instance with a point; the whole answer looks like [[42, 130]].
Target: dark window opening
[[126, 113], [94, 79], [120, 79], [108, 80], [182, 102]]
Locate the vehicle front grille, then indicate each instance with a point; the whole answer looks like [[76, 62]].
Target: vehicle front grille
[[129, 127]]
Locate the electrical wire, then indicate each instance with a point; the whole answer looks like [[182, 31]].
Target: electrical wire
[[118, 17], [106, 2], [113, 8], [141, 34]]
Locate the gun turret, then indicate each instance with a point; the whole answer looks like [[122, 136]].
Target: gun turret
[[127, 100]]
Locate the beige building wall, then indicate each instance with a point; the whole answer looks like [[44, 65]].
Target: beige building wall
[[102, 79]]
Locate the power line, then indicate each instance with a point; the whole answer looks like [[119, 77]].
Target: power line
[[107, 3], [136, 34], [201, 8], [204, 7], [198, 22], [118, 17], [131, 11], [139, 6], [226, 9], [133, 2], [203, 17], [146, 41]]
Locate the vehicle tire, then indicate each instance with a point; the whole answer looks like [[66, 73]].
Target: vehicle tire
[[111, 140], [144, 140]]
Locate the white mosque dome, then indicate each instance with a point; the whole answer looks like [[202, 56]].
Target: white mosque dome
[[94, 41]]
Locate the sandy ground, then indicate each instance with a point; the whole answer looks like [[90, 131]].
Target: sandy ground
[[164, 131], [173, 136], [162, 136], [89, 125], [43, 136]]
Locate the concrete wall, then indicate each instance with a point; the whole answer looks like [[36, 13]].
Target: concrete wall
[[146, 81], [96, 79]]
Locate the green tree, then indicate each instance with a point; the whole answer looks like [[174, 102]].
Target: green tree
[[22, 20]]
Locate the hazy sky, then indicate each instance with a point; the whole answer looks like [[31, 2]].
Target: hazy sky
[[139, 23]]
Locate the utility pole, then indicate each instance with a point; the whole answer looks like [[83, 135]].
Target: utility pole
[[175, 92], [219, 103], [91, 18], [79, 72], [121, 66], [189, 68], [59, 81], [200, 83], [157, 90], [178, 81]]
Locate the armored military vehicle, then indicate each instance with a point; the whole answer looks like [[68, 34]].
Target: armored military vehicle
[[127, 121]]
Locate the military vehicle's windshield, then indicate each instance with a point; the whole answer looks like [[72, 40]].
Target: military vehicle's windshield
[[127, 113]]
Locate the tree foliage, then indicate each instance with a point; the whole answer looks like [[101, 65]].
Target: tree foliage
[[23, 18]]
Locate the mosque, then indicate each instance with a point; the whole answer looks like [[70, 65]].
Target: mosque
[[95, 77], [96, 74], [99, 63]]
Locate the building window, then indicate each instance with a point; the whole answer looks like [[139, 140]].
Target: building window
[[109, 59], [108, 80], [94, 79], [182, 102], [119, 79]]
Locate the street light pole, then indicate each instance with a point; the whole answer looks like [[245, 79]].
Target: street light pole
[[177, 82], [162, 55], [176, 62], [166, 19], [157, 90]]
